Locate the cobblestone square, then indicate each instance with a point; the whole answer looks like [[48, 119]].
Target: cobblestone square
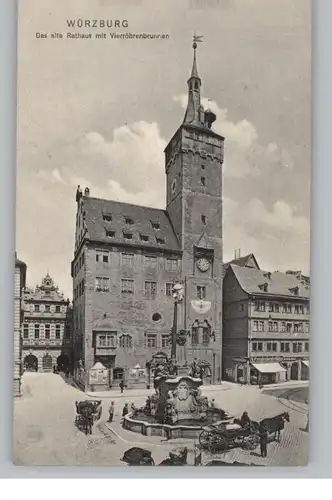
[[45, 433]]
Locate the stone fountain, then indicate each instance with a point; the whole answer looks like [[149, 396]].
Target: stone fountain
[[177, 409]]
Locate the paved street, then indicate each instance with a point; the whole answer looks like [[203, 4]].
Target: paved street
[[45, 434]]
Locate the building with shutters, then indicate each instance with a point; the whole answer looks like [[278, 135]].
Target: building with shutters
[[19, 284], [127, 258], [266, 324], [47, 328]]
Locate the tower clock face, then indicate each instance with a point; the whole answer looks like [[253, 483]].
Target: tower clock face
[[203, 265]]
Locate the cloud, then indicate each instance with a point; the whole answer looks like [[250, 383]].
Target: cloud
[[129, 166]]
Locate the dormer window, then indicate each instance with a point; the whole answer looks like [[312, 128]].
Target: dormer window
[[129, 221], [144, 237], [294, 290], [267, 275], [203, 219], [110, 234], [203, 181], [107, 217], [155, 225], [160, 241], [263, 287], [128, 236]]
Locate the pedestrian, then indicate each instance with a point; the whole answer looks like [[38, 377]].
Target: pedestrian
[[213, 403], [121, 385], [263, 435], [111, 412], [133, 407], [125, 410]]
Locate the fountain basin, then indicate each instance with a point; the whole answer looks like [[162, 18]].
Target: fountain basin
[[150, 427]]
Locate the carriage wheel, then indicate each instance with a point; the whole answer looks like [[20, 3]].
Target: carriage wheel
[[205, 439], [251, 442], [218, 442]]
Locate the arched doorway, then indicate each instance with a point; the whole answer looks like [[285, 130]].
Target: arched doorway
[[63, 363], [47, 363], [30, 363], [295, 371]]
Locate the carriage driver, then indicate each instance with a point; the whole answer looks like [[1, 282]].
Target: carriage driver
[[245, 420]]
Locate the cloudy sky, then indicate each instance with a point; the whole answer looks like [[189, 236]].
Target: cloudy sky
[[99, 113]]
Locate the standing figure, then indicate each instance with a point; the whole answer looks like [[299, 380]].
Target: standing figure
[[125, 410], [121, 385], [111, 412], [213, 403], [263, 434]]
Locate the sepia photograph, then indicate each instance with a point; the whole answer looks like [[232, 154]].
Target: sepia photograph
[[162, 263]]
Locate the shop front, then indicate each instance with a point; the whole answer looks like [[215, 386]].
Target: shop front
[[267, 373]]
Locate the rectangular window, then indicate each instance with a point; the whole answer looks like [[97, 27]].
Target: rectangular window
[[36, 331], [102, 284], [151, 341], [301, 309], [102, 256], [201, 292], [47, 308], [165, 341], [155, 225], [308, 309], [275, 326], [57, 331], [206, 336], [194, 335], [160, 241], [106, 340], [284, 308], [284, 346], [259, 306], [127, 259], [26, 330], [203, 219], [296, 309], [150, 261], [306, 346], [127, 287], [110, 234], [128, 236], [107, 217], [171, 264], [144, 237], [299, 347], [295, 347], [203, 181], [150, 289], [270, 326], [255, 326], [276, 308], [57, 309], [270, 306], [289, 308], [37, 308], [283, 327], [306, 325], [260, 346], [274, 347], [261, 326], [169, 289], [47, 331], [289, 328], [269, 346], [129, 221], [254, 346]]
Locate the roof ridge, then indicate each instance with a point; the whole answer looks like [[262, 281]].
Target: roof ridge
[[123, 203]]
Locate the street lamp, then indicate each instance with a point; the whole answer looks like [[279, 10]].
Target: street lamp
[[178, 297]]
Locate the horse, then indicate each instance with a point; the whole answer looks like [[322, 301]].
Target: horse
[[275, 424]]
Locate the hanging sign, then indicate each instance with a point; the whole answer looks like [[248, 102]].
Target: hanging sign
[[201, 306]]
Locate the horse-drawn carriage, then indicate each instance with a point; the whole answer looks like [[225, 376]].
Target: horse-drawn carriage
[[226, 434], [87, 412]]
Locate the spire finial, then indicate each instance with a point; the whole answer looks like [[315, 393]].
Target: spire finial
[[196, 39]]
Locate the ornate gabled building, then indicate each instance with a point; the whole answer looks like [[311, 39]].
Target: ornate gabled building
[[46, 330], [266, 324], [128, 257], [19, 284]]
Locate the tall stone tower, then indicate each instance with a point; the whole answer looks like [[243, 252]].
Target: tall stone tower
[[193, 162]]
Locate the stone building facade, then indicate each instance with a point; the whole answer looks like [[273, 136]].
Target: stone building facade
[[19, 284], [265, 324], [47, 329], [127, 259]]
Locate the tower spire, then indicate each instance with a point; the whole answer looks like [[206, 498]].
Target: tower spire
[[194, 112]]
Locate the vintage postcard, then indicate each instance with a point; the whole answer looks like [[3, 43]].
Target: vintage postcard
[[162, 281]]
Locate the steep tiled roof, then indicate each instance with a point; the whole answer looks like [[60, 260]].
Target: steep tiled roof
[[241, 261], [110, 221], [252, 281]]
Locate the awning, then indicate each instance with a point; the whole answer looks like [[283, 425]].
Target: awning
[[269, 367], [306, 363]]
